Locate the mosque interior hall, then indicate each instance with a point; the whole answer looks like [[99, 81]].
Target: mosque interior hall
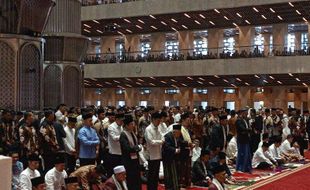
[[152, 70]]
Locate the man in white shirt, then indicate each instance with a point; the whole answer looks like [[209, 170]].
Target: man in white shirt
[[154, 141], [196, 151], [262, 159], [232, 149], [275, 151], [61, 114], [30, 172], [69, 143], [114, 133], [292, 153], [176, 114], [163, 128], [55, 177]]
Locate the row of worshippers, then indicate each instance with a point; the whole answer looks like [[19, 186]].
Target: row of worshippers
[[106, 133]]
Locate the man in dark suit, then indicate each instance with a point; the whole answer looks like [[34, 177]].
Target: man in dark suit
[[243, 143], [219, 134], [219, 178], [201, 174], [170, 154]]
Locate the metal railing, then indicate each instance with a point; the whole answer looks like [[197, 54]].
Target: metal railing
[[99, 2], [192, 54]]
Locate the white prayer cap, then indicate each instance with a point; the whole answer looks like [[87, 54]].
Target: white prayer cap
[[119, 169]]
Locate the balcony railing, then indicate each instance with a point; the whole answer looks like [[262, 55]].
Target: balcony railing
[[99, 2], [191, 54]]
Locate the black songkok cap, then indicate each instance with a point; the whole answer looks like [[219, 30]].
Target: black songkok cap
[[37, 181], [222, 117], [87, 116], [128, 119], [156, 115], [177, 127], [33, 157], [120, 116], [59, 158]]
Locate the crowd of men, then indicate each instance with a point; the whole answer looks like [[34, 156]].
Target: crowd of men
[[120, 149]]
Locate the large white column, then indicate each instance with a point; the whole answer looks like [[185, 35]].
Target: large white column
[[186, 42], [158, 41], [279, 33], [246, 38], [215, 41]]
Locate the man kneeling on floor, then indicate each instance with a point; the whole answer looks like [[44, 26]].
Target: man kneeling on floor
[[262, 158]]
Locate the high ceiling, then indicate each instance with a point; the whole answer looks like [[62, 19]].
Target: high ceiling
[[290, 79], [296, 12]]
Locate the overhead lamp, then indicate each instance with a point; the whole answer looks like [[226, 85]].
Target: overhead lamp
[[255, 9], [291, 4], [297, 11], [99, 31], [247, 22], [140, 80], [190, 78], [128, 79], [174, 29], [86, 30], [304, 19], [290, 74], [247, 84], [95, 21], [298, 79], [138, 83], [108, 83], [217, 11], [119, 32], [304, 84], [174, 20], [152, 17], [141, 21], [256, 76], [152, 78], [216, 76], [201, 79], [279, 82], [271, 77], [185, 14], [139, 27], [235, 24], [233, 85], [265, 81], [225, 80], [202, 16], [174, 86], [173, 80], [238, 79], [211, 22], [87, 25], [152, 84], [183, 84], [200, 82], [163, 23], [127, 20], [272, 10], [184, 26], [163, 82], [211, 83], [226, 17], [128, 85], [239, 15], [116, 81], [197, 22], [279, 17], [128, 30], [264, 17], [154, 27]]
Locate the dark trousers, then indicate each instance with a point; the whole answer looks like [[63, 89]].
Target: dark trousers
[[48, 162], [70, 163], [113, 161], [263, 165], [133, 174], [153, 176], [87, 161]]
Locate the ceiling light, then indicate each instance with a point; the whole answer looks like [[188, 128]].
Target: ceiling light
[[271, 77], [280, 17], [183, 84], [298, 79], [201, 15], [128, 79], [141, 21], [190, 78], [184, 26], [119, 86], [298, 12], [152, 16], [290, 74], [235, 24], [238, 79], [163, 82], [247, 84], [127, 20], [304, 84], [116, 81], [217, 11], [128, 30], [211, 22], [225, 80], [86, 30], [226, 17], [211, 83], [265, 81], [272, 10], [239, 15], [139, 26], [291, 4], [120, 33], [201, 79], [197, 22], [152, 78], [255, 9], [87, 84], [279, 82], [233, 85], [154, 27], [174, 29], [128, 85], [264, 17], [163, 23], [256, 76], [173, 80], [138, 83], [174, 20], [108, 83], [304, 19], [187, 15], [140, 80], [174, 86], [96, 21], [152, 84], [200, 82], [94, 79], [99, 31], [87, 25], [216, 76]]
